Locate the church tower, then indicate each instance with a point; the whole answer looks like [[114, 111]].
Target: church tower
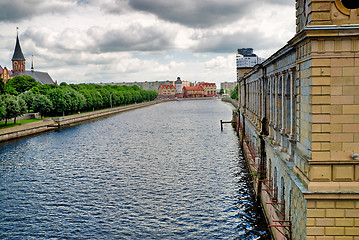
[[18, 59]]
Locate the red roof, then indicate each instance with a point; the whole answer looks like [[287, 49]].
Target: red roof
[[207, 84], [167, 86], [193, 88]]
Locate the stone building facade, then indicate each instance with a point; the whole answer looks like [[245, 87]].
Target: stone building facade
[[166, 91], [298, 120], [210, 89], [193, 92]]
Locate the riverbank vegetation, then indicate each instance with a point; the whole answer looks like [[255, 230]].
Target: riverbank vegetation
[[234, 93], [23, 94]]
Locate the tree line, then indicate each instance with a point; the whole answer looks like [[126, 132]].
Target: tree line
[[22, 94], [234, 93]]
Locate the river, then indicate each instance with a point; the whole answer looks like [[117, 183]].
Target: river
[[162, 172]]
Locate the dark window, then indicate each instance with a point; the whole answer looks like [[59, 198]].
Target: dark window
[[351, 4]]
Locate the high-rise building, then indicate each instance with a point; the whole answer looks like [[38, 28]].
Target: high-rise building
[[245, 60]]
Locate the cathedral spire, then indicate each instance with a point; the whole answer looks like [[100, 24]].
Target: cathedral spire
[[32, 63], [18, 52], [18, 59]]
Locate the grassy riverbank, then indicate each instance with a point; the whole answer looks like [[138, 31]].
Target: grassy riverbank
[[19, 122]]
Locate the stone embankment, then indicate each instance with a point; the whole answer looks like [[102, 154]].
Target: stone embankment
[[56, 123], [232, 101]]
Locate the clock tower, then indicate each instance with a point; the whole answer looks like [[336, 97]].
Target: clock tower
[[18, 59]]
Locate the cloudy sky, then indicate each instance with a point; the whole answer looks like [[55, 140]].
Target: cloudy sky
[[80, 41]]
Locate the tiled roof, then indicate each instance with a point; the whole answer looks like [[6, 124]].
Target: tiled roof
[[167, 86], [41, 77], [207, 84], [193, 88]]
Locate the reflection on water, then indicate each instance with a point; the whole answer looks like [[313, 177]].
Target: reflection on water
[[162, 172]]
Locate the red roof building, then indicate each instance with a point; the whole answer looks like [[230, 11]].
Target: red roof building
[[210, 89], [194, 91], [166, 91], [5, 74]]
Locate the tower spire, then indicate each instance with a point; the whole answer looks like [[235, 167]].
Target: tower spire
[[18, 59], [32, 63]]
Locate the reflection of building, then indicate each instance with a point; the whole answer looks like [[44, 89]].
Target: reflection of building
[[299, 125], [194, 91], [166, 91], [210, 89], [18, 68]]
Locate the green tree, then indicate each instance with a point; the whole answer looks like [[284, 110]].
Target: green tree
[[13, 107], [22, 108], [28, 97], [2, 111], [42, 104], [22, 83], [10, 90], [2, 86], [44, 89], [234, 93], [57, 97], [221, 91]]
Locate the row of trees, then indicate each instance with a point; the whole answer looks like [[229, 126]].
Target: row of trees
[[22, 94]]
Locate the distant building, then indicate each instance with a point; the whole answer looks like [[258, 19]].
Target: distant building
[[179, 93], [18, 68], [192, 92], [166, 91], [148, 86], [5, 74], [245, 60], [228, 86], [210, 89]]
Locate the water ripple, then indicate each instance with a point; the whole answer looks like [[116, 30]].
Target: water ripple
[[162, 172]]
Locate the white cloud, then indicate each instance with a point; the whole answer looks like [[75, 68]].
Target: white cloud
[[141, 40]]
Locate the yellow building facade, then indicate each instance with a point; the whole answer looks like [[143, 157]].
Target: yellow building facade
[[299, 124]]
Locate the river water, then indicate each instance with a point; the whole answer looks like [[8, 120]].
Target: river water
[[162, 172]]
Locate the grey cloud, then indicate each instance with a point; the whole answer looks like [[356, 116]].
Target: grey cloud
[[134, 38], [17, 10], [227, 43], [200, 14], [90, 46], [191, 13]]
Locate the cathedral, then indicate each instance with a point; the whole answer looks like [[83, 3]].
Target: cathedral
[[18, 68]]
